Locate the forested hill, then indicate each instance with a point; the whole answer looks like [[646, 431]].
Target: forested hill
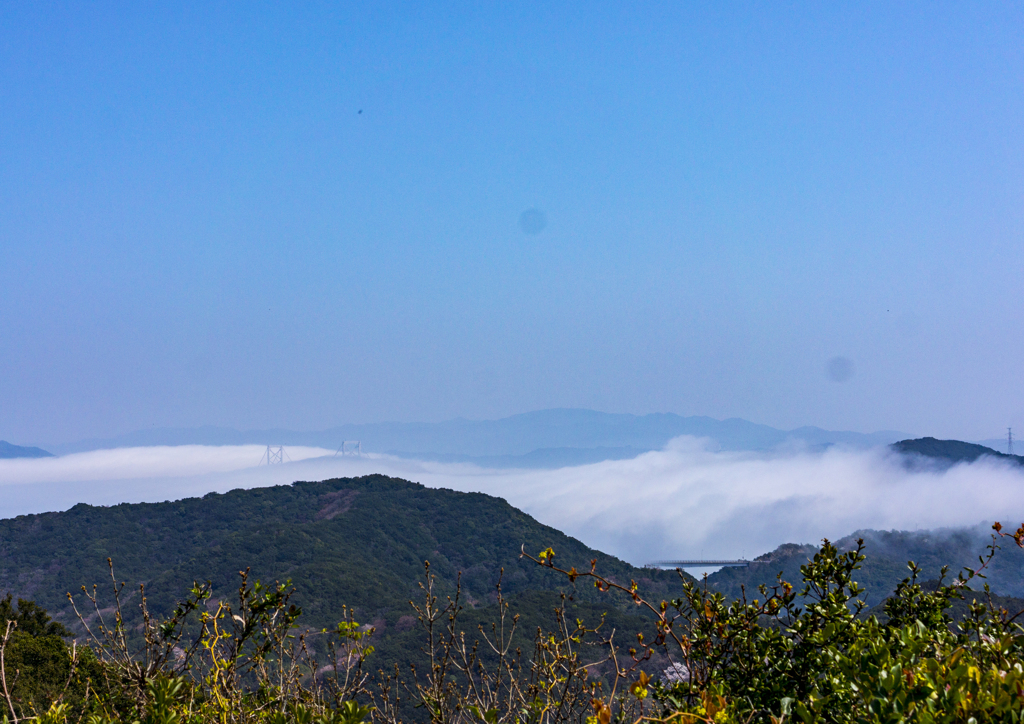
[[357, 542], [888, 553], [950, 452]]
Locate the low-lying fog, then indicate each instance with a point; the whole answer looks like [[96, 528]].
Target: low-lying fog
[[683, 501]]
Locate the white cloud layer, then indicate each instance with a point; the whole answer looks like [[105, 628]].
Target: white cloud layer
[[684, 501], [143, 462]]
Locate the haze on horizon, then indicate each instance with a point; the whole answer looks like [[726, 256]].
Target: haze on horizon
[[685, 500], [282, 217]]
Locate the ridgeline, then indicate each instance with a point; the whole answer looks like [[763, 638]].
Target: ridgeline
[[359, 543], [9, 451], [950, 452]]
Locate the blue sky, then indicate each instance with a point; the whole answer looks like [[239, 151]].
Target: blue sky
[[262, 216]]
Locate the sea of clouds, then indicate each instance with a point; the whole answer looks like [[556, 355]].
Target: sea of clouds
[[681, 502]]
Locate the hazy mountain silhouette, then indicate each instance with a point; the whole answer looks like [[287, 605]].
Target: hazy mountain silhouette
[[8, 451], [534, 439]]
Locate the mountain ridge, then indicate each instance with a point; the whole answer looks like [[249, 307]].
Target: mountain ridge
[[9, 451], [946, 453], [888, 555], [356, 542], [514, 436]]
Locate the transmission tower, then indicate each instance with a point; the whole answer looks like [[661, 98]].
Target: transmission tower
[[1009, 441], [275, 455], [350, 447]]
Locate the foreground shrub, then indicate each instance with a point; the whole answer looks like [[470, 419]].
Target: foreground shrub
[[812, 656], [805, 654]]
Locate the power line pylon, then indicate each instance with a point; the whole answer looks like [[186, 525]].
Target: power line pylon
[[275, 455], [350, 447], [1009, 441]]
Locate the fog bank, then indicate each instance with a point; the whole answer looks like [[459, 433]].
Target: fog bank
[[683, 501]]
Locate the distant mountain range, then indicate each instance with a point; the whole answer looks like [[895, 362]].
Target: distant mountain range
[[546, 438], [7, 451], [543, 439]]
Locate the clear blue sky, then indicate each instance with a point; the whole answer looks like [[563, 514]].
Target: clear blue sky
[[199, 226]]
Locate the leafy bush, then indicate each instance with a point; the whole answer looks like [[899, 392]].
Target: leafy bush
[[813, 657], [802, 654]]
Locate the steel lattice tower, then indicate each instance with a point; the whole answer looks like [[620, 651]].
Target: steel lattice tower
[[273, 456]]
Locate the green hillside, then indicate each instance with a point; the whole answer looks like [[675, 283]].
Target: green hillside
[[888, 553], [358, 542], [362, 542]]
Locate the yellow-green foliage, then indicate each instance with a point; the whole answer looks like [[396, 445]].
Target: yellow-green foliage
[[804, 653], [813, 655]]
